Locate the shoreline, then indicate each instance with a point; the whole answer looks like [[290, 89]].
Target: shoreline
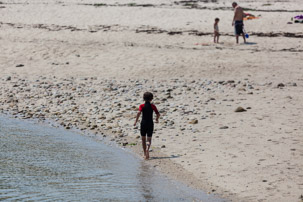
[[111, 131], [158, 161], [31, 136]]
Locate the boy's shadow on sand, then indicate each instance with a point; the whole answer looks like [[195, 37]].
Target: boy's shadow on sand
[[164, 157]]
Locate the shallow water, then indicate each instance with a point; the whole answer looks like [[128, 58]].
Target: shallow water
[[38, 162]]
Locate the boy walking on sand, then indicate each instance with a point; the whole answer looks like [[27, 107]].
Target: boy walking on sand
[[147, 124], [216, 31]]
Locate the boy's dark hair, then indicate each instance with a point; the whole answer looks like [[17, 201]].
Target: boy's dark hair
[[148, 96], [217, 19]]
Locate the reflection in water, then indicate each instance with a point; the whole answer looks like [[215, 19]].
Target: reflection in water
[[42, 163], [145, 177]]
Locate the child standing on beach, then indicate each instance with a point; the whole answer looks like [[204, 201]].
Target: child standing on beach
[[216, 31], [147, 124]]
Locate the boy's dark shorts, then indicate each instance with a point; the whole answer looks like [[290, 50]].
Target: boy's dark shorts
[[239, 27], [147, 129]]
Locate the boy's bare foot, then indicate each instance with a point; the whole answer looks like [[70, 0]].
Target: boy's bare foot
[[147, 151], [144, 156], [147, 155]]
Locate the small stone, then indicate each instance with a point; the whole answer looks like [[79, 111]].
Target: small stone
[[193, 121], [93, 127], [280, 85], [163, 146], [221, 82], [138, 136], [8, 78], [20, 65], [224, 127], [169, 96], [240, 109]]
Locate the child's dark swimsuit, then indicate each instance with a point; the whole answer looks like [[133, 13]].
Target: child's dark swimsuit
[[147, 124]]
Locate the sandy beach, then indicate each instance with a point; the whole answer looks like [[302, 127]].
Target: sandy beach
[[231, 115]]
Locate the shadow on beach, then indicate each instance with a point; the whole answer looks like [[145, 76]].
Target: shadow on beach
[[164, 157], [250, 43]]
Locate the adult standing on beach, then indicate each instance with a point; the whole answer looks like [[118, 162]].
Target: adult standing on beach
[[238, 21]]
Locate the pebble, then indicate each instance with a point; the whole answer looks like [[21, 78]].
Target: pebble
[[240, 109], [102, 104], [224, 127], [193, 121]]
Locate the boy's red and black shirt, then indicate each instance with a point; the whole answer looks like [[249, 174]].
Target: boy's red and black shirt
[[147, 110], [152, 105]]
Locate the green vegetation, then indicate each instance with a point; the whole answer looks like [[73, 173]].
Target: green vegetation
[[132, 4], [100, 4], [147, 5], [132, 144]]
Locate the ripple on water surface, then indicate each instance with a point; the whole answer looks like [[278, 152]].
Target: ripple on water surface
[[38, 162]]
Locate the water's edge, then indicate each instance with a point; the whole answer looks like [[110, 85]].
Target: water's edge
[[151, 184]]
